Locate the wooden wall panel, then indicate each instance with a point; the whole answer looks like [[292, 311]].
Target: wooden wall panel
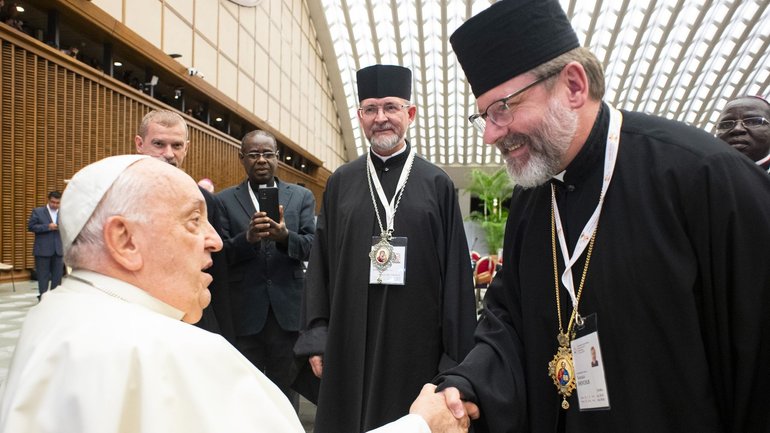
[[57, 115]]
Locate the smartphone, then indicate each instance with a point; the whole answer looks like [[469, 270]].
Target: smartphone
[[268, 202]]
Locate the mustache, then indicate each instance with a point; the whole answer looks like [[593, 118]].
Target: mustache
[[512, 141], [385, 126]]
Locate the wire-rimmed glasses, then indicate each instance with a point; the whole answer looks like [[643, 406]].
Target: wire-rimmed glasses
[[747, 123], [499, 112]]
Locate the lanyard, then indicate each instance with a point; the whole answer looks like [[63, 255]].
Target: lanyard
[[610, 157], [253, 197], [389, 206]]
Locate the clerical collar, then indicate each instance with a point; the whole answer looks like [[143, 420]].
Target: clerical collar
[[592, 151], [397, 158], [396, 153], [271, 184]]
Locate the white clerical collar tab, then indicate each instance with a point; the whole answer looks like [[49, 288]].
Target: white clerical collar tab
[[560, 176], [385, 158]]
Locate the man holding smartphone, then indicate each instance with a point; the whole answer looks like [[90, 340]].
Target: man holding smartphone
[[265, 257]]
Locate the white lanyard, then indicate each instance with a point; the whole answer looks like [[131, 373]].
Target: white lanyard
[[253, 197], [610, 157], [390, 207]]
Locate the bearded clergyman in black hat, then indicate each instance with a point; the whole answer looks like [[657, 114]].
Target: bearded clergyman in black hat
[[641, 237], [389, 297]]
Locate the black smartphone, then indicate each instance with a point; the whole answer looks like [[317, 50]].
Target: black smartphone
[[268, 202]]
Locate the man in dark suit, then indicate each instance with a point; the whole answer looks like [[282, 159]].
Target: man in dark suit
[[163, 135], [44, 222], [266, 261]]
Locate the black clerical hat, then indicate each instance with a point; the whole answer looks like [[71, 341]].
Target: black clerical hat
[[509, 38], [381, 81]]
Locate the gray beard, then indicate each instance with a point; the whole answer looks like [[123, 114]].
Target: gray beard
[[385, 144], [547, 144]]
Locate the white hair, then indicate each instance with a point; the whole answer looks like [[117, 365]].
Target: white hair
[[125, 198]]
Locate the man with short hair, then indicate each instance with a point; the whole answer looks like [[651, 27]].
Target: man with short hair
[[389, 299], [109, 351], [745, 125], [44, 223], [266, 258], [163, 134], [640, 236]]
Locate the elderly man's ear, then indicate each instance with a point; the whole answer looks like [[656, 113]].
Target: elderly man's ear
[[120, 242]]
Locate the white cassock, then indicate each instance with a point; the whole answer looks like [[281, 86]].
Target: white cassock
[[98, 355]]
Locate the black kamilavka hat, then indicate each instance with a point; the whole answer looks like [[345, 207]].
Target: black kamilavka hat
[[382, 81], [509, 38]]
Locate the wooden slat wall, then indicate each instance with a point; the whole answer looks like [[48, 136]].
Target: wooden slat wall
[[57, 115]]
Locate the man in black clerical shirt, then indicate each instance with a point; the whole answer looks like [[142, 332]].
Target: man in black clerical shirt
[[745, 125], [389, 297], [642, 237]]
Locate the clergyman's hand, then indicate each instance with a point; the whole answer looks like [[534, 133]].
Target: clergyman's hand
[[317, 364], [434, 409], [277, 231], [257, 227], [459, 407]]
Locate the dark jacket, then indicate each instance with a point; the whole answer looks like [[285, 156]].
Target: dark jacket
[[47, 241], [267, 273]]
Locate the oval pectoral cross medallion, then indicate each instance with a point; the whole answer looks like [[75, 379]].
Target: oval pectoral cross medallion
[[381, 255], [562, 371]]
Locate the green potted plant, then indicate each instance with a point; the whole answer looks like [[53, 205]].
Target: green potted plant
[[491, 189]]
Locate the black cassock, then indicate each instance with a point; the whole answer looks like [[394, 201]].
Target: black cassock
[[679, 281], [385, 341]]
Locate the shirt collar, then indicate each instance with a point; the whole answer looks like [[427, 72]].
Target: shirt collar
[[395, 154], [395, 159], [124, 291]]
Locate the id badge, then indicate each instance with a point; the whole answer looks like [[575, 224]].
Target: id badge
[[589, 367], [387, 261]]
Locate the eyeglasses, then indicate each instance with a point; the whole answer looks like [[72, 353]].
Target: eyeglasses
[[499, 112], [390, 109], [256, 155], [748, 123]]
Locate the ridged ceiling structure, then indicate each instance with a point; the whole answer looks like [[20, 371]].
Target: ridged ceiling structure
[[680, 59]]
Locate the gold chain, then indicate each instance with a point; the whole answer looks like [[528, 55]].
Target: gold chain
[[556, 270]]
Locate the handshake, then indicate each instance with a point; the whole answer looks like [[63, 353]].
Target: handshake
[[444, 411]]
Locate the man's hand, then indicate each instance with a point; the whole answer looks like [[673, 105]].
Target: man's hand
[[434, 408], [262, 227], [459, 407], [317, 364], [53, 226]]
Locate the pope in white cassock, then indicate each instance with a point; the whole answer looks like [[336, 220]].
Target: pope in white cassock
[[111, 349]]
